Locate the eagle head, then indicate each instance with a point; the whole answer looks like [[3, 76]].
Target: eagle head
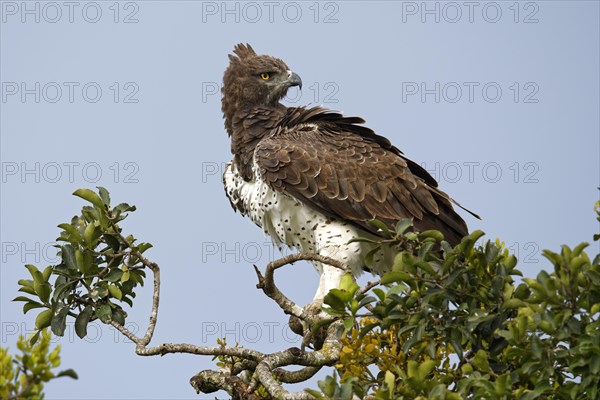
[[254, 80]]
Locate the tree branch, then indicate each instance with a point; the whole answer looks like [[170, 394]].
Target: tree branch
[[267, 282], [263, 369], [301, 375], [328, 355], [169, 348], [211, 381]]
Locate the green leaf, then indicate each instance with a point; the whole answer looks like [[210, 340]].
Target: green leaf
[[38, 278], [522, 292], [391, 277], [552, 257], [124, 207], [594, 276], [91, 233], [436, 235], [72, 232], [43, 290], [68, 372], [369, 256], [47, 272], [315, 393], [81, 322], [26, 283], [502, 384], [403, 225], [32, 269], [114, 275], [475, 235], [412, 369], [333, 300], [104, 195], [457, 348], [366, 300], [34, 338], [480, 361], [513, 303], [347, 283], [118, 317], [390, 380], [439, 392], [404, 261], [99, 292], [112, 242], [91, 196], [510, 262], [22, 298], [61, 289], [397, 289], [379, 293], [125, 276], [115, 292], [31, 305], [28, 289], [466, 369], [43, 319], [361, 240], [136, 276], [425, 266], [142, 247], [104, 313], [367, 328], [68, 256], [84, 262], [328, 385], [425, 368], [425, 248], [90, 214], [348, 323], [381, 226], [59, 321]]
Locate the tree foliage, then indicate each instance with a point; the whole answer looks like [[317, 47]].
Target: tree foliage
[[444, 323], [459, 325], [23, 376], [98, 272]]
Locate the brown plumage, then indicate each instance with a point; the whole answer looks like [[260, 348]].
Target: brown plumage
[[326, 161], [313, 179]]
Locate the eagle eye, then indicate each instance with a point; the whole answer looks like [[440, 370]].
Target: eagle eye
[[265, 76]]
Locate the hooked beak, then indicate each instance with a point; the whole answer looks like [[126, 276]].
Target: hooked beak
[[294, 80]]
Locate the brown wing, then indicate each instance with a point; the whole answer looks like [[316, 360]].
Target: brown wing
[[348, 172]]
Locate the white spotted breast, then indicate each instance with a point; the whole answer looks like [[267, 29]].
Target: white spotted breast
[[288, 221]]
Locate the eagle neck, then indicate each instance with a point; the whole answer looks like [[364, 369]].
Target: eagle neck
[[247, 128]]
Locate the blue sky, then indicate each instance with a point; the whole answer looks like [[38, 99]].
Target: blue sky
[[498, 100]]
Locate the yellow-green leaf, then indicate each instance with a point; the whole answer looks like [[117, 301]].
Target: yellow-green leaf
[[115, 292], [90, 196], [43, 319]]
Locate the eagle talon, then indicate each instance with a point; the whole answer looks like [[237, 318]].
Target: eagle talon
[[311, 338]]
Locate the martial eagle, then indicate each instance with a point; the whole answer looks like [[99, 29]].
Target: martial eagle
[[313, 179]]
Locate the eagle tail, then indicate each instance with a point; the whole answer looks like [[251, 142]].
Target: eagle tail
[[464, 208]]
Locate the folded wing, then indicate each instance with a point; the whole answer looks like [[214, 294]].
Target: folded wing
[[346, 171]]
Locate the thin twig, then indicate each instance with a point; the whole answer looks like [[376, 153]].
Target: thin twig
[[156, 292], [367, 287]]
